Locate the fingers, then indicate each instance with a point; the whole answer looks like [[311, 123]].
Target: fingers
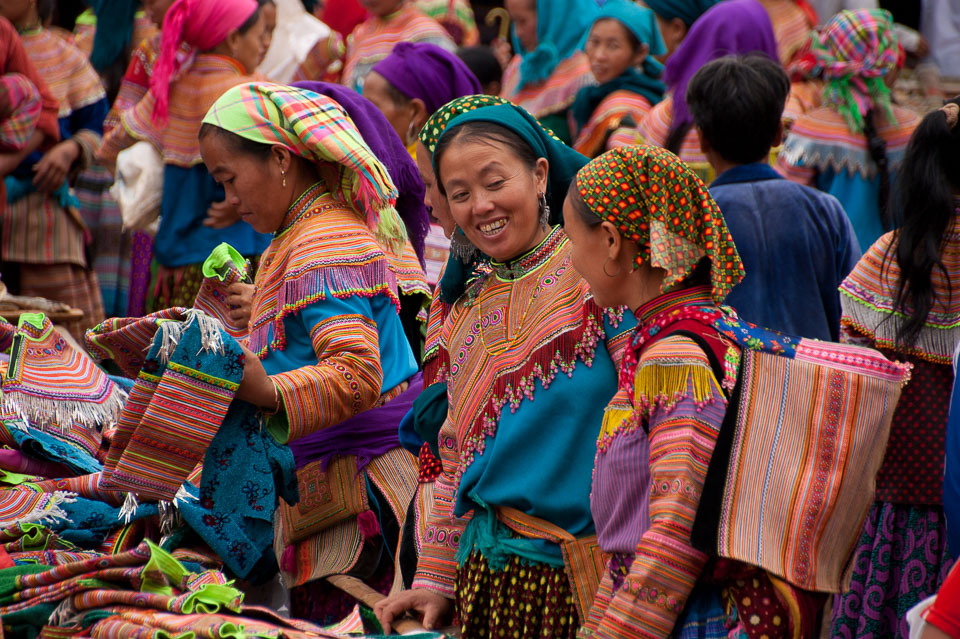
[[431, 617], [384, 615], [239, 315]]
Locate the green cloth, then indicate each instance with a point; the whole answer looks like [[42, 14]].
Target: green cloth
[[498, 544], [114, 30], [429, 412]]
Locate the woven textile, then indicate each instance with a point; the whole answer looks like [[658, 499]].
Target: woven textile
[[48, 381], [617, 108], [23, 506], [224, 268], [456, 16], [125, 340], [853, 54], [315, 127], [65, 70], [660, 204], [171, 419], [19, 111], [434, 127]]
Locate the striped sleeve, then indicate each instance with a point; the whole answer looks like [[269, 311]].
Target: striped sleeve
[[347, 377], [675, 384]]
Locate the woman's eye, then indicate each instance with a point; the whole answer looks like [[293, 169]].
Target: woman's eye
[[459, 196], [493, 186]]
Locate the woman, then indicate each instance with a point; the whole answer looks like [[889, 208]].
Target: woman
[[623, 37], [676, 18], [228, 36], [457, 18], [390, 22], [733, 27], [521, 321], [646, 233], [852, 145], [898, 299], [548, 69], [792, 22], [43, 247], [408, 86], [327, 349]]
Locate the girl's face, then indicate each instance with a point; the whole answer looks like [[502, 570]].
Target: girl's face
[[433, 198], [610, 50], [156, 10], [523, 14], [249, 48], [493, 197], [252, 185], [19, 12]]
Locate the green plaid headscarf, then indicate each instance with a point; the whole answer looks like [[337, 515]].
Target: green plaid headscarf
[[659, 203], [853, 53]]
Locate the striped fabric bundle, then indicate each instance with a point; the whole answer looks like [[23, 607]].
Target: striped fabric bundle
[[25, 506], [19, 111], [125, 340], [49, 382], [617, 107], [172, 417]]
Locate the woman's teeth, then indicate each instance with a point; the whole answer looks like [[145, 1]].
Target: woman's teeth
[[493, 227]]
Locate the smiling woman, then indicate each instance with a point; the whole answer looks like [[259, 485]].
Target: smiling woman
[[526, 317]]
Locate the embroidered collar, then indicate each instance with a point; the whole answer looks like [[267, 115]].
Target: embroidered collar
[[532, 259], [669, 302], [301, 206]]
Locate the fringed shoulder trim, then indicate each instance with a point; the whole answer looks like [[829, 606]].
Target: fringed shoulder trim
[[671, 370]]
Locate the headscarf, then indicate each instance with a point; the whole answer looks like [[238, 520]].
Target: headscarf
[[560, 27], [389, 149], [202, 24], [427, 72], [564, 161], [853, 53], [642, 23], [730, 27], [114, 30], [316, 128], [686, 10], [658, 202], [296, 34], [20, 108]]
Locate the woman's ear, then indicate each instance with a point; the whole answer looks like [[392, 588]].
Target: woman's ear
[[641, 54], [232, 42], [540, 174], [612, 240], [420, 114]]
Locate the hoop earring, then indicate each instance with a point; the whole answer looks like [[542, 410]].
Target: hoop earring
[[460, 246], [544, 210], [619, 268], [411, 134]]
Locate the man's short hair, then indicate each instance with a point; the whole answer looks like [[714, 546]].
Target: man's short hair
[[737, 103]]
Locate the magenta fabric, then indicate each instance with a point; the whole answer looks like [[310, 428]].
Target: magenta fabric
[[202, 24], [733, 27], [420, 70]]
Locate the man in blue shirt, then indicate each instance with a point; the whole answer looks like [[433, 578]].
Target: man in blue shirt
[[796, 243]]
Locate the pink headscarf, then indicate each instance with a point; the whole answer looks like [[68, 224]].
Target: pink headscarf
[[202, 24]]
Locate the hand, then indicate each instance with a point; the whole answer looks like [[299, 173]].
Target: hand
[[220, 215], [256, 387], [240, 295], [53, 167], [502, 51], [432, 606]]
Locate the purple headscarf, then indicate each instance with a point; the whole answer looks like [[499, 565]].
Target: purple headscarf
[[389, 149], [420, 70], [734, 27]]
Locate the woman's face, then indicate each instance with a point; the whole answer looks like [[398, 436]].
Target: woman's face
[[589, 252], [493, 196], [252, 185], [610, 50], [523, 14], [269, 14], [17, 11], [381, 8], [249, 48], [156, 10], [377, 90], [673, 32], [433, 198]]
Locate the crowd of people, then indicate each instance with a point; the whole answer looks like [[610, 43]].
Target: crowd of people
[[635, 320]]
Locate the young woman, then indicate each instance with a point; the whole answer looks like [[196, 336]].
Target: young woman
[[457, 18], [620, 47], [327, 352], [900, 300], [548, 68], [852, 145], [733, 27], [390, 22], [42, 245], [645, 233], [229, 39], [675, 19], [524, 320]]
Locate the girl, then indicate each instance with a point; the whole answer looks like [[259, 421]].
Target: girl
[[852, 145], [676, 18], [390, 22], [732, 27], [511, 490], [228, 37], [899, 299], [548, 69], [622, 38], [43, 245]]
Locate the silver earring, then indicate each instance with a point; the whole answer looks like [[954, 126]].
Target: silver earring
[[411, 134], [460, 246], [544, 210]]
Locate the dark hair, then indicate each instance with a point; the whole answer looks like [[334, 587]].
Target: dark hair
[[632, 38], [877, 148], [587, 216], [483, 133], [928, 180], [249, 22], [482, 62], [236, 143], [737, 102], [45, 11]]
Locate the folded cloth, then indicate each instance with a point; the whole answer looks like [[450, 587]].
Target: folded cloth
[[125, 340], [74, 447], [48, 382]]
